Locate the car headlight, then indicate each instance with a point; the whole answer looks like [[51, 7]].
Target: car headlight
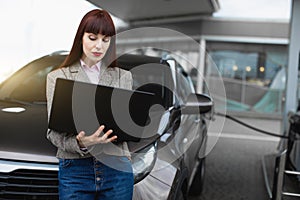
[[143, 162]]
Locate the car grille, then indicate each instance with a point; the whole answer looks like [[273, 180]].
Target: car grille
[[29, 184]]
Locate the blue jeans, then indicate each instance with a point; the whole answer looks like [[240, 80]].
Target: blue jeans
[[89, 179]]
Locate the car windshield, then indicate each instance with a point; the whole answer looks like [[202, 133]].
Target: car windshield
[[29, 83], [155, 78]]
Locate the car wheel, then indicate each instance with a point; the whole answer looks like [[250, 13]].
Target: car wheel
[[198, 181]]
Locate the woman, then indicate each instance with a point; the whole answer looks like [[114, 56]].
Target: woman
[[83, 173]]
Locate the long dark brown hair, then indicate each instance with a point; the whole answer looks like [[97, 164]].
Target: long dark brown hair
[[95, 21]]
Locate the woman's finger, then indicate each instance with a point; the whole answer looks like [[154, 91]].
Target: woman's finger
[[108, 133], [112, 138], [99, 130], [80, 135], [105, 138]]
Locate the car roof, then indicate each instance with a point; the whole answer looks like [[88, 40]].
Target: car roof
[[129, 61]]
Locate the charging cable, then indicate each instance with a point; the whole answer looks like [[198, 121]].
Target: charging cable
[[252, 127]]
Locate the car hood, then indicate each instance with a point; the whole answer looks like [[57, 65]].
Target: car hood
[[23, 134]]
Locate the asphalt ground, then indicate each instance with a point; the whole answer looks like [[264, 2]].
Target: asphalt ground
[[234, 168]]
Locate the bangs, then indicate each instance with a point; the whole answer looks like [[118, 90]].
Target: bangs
[[100, 23]]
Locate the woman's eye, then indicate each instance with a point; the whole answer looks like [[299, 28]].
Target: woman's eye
[[106, 39], [92, 38]]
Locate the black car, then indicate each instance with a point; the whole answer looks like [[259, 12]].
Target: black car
[[167, 165]]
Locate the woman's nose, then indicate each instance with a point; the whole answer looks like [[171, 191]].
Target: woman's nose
[[99, 45]]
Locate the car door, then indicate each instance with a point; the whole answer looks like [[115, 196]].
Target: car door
[[190, 137]]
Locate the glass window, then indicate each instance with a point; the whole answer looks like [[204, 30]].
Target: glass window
[[29, 83], [253, 75], [32, 88], [155, 78], [184, 84]]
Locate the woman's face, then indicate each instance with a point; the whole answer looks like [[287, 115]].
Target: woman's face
[[94, 47]]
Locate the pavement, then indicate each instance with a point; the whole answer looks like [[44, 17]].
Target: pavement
[[234, 169]]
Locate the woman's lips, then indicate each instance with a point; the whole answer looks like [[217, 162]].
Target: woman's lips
[[97, 54]]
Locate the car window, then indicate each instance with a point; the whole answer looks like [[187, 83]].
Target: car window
[[184, 84], [157, 79]]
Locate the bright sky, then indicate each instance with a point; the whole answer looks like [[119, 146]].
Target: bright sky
[[33, 28], [255, 9]]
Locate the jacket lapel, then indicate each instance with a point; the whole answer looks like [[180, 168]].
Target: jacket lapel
[[77, 73], [106, 76]]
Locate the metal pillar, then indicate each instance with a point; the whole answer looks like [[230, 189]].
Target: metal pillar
[[200, 74], [292, 70]]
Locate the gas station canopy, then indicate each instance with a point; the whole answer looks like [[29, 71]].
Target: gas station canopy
[[141, 10]]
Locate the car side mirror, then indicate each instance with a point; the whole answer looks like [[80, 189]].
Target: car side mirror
[[197, 104]]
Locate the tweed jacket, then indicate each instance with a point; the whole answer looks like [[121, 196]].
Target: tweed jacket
[[67, 145]]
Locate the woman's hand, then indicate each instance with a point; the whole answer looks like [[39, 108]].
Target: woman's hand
[[95, 138]]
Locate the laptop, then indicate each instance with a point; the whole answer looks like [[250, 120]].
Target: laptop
[[79, 106]]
